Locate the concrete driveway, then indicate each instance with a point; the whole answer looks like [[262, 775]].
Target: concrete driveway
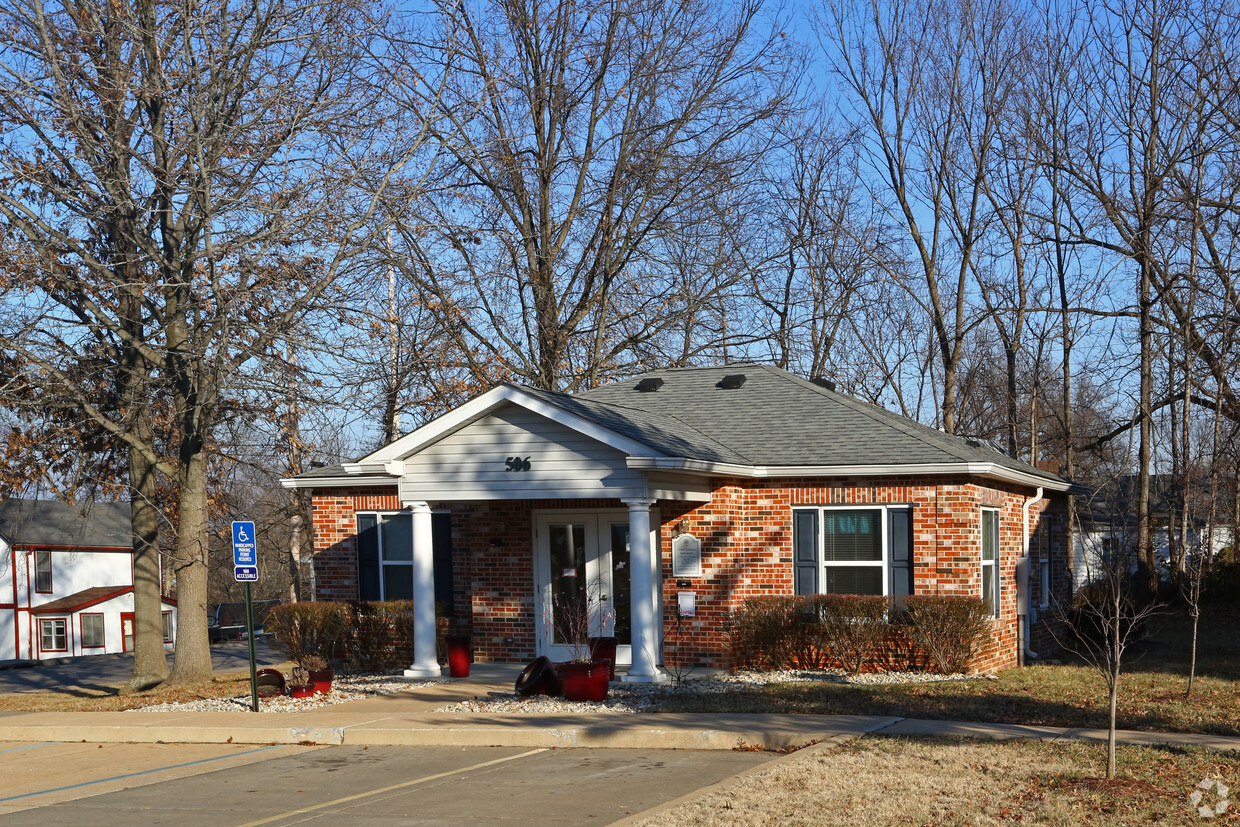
[[103, 671]]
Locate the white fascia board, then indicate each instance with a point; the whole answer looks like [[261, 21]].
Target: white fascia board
[[389, 460], [478, 407], [974, 469], [336, 482], [437, 428]]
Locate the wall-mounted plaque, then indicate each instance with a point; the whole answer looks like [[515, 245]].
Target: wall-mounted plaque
[[686, 556]]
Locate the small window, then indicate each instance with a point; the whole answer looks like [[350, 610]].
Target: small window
[[52, 635], [167, 618], [1044, 561], [92, 631], [43, 572], [385, 556], [853, 550], [990, 560], [1044, 597]]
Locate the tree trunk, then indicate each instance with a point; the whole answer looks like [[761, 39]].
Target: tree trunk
[[1192, 656], [150, 664], [1147, 570], [192, 662], [294, 549], [1114, 700]]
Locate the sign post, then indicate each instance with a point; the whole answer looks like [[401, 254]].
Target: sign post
[[245, 570]]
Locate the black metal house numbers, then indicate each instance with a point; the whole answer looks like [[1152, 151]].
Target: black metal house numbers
[[517, 464]]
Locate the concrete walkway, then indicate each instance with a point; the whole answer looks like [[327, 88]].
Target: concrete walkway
[[406, 719]]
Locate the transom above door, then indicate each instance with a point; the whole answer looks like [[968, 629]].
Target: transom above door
[[581, 569]]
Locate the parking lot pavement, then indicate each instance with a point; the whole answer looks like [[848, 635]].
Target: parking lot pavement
[[398, 785], [103, 671]]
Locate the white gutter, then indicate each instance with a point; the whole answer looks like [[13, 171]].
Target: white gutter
[[1023, 629], [972, 469]]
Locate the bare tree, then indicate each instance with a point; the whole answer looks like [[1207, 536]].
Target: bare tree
[[578, 145], [927, 83], [179, 188], [1105, 619]]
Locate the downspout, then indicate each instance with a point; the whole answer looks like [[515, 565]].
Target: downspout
[[1023, 630]]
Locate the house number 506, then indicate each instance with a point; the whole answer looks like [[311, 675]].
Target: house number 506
[[517, 464]]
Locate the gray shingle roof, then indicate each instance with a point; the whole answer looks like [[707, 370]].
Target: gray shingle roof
[[54, 523], [778, 419]]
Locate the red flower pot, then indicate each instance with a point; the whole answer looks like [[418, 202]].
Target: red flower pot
[[584, 681], [604, 648], [305, 690], [321, 680], [460, 655]]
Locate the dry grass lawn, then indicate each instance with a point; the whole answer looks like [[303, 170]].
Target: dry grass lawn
[[882, 781], [1068, 695], [80, 699]]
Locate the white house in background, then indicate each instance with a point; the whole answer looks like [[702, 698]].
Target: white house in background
[[66, 581], [1093, 543]]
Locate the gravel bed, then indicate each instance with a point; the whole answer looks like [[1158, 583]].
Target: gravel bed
[[632, 698], [344, 688], [622, 698]]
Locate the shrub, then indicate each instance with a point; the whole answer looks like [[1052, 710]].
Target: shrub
[[761, 629], [307, 629], [378, 636], [946, 628], [811, 632], [849, 628]]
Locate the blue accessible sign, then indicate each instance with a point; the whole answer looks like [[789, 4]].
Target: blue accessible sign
[[245, 552]]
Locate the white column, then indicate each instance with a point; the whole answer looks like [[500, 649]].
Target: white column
[[425, 663], [647, 623]]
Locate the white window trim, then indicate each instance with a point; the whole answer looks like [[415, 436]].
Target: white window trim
[[884, 540], [383, 561], [1044, 563], [64, 633], [993, 565]]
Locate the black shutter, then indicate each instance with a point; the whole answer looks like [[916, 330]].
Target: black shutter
[[805, 551], [900, 553], [368, 557], [441, 539]]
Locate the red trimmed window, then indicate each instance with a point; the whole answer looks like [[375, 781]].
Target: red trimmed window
[[52, 637], [92, 631], [167, 618], [43, 572]]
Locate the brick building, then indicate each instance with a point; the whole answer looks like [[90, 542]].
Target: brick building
[[666, 500]]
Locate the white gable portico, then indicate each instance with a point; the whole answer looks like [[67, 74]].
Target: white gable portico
[[512, 443]]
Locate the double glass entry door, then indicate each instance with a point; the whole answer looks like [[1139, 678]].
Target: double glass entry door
[[582, 569]]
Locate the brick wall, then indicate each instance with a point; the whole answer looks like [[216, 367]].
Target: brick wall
[[335, 537], [746, 539]]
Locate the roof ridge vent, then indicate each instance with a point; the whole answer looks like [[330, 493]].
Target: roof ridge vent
[[824, 382], [732, 381], [650, 384]]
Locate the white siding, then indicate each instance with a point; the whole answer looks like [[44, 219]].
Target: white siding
[[73, 571], [472, 463]]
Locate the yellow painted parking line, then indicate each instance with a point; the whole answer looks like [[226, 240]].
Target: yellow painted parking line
[[381, 790]]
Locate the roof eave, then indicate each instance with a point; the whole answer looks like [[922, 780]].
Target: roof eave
[[987, 470]]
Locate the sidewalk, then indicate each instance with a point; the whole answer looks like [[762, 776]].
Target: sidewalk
[[406, 719]]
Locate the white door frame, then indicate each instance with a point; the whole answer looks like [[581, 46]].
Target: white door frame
[[597, 541]]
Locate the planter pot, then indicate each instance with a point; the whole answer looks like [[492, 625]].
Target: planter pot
[[584, 681], [460, 655], [322, 679], [604, 648], [538, 678], [269, 682], [305, 690]]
